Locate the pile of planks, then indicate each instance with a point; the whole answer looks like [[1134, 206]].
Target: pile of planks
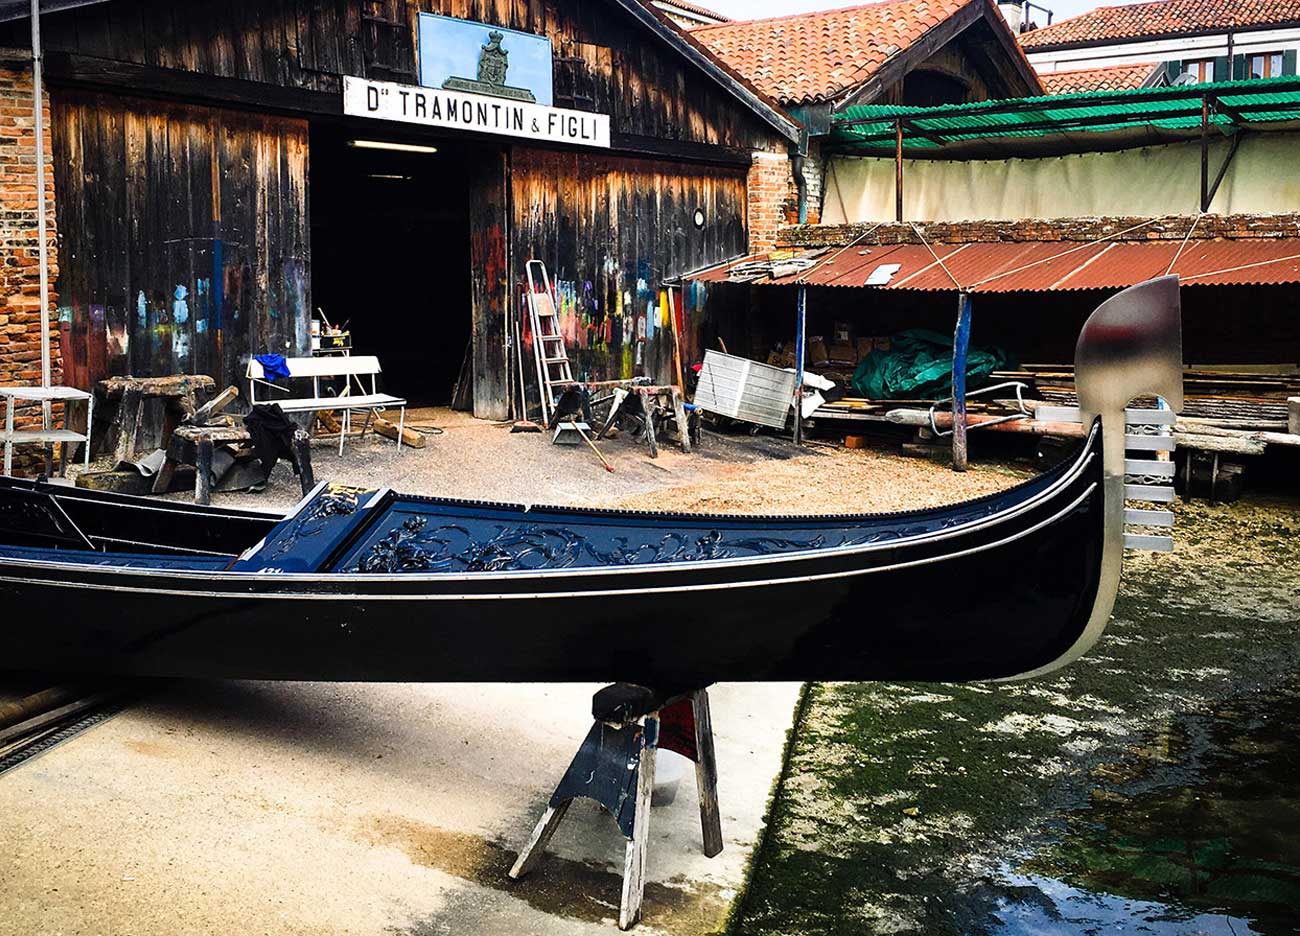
[[1248, 395]]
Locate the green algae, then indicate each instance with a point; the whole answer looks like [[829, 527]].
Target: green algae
[[931, 809]]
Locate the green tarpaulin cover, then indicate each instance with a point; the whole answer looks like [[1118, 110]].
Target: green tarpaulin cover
[[918, 366]]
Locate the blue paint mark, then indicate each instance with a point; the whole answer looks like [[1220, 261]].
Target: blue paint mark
[[200, 326], [180, 308], [142, 309], [218, 282]]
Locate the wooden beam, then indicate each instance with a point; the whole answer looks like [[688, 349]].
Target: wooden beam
[[1205, 152], [147, 81], [898, 65], [898, 170]]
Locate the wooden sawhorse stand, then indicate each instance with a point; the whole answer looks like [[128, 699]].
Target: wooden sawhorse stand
[[616, 767]]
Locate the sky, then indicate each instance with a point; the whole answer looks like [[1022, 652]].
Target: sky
[[757, 9]]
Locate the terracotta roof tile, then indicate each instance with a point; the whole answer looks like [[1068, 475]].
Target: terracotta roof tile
[[1161, 18], [812, 57], [1110, 78]]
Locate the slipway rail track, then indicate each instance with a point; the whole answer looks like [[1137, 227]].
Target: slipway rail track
[[55, 715]]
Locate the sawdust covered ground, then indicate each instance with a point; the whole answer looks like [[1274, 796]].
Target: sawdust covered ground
[[828, 479], [728, 473]]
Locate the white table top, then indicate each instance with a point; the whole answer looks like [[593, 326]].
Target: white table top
[[44, 393]]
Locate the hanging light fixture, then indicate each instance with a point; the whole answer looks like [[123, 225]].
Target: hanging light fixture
[[395, 147]]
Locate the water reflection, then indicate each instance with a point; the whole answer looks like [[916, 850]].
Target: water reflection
[[1200, 833]]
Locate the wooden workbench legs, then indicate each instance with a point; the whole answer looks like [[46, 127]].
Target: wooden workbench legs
[[203, 472], [616, 767]]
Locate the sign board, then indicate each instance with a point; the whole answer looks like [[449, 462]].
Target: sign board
[[461, 55], [462, 110]]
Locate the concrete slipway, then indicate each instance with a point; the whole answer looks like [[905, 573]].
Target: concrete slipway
[[351, 808], [365, 808]]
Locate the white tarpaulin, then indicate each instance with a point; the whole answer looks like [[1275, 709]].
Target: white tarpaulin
[[1148, 182]]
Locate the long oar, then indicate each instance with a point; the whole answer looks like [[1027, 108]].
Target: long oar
[[585, 438]]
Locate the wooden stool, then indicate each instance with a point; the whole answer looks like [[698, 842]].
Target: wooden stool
[[616, 767]]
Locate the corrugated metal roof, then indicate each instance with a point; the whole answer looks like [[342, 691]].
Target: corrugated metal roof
[[1027, 266]]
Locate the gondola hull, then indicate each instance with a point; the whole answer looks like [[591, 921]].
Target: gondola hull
[[371, 585], [1007, 589]]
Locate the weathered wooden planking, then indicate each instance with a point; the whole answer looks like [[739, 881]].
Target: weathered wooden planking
[[611, 230], [160, 207], [605, 61], [489, 285]]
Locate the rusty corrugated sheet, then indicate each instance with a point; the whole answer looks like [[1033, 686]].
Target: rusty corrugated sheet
[[1035, 267]]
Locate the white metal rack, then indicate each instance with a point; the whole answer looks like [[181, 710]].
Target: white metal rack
[[47, 434]]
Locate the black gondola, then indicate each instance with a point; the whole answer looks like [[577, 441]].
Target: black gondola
[[372, 585]]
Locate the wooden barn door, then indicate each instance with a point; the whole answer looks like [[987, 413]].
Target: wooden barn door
[[489, 227], [184, 237]]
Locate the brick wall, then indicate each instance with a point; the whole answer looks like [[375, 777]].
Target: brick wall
[[771, 197], [20, 304], [1173, 227]]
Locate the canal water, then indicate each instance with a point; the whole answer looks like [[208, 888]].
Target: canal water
[[1152, 787], [1203, 837]]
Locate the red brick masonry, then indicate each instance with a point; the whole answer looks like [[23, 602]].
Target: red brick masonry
[[20, 304], [1173, 227]]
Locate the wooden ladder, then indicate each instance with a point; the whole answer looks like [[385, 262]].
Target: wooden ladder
[[554, 371]]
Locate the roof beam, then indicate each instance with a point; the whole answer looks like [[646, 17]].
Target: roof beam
[[903, 61]]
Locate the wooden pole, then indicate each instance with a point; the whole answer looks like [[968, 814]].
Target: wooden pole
[[898, 169], [960, 343], [800, 341], [1205, 152]]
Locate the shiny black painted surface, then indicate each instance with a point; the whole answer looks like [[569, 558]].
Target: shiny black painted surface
[[1005, 589]]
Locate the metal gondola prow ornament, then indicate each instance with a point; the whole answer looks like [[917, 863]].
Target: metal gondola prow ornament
[[1130, 346]]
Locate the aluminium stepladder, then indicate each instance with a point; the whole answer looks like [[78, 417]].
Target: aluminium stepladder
[[554, 371]]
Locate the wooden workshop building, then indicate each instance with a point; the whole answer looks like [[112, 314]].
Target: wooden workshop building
[[213, 186]]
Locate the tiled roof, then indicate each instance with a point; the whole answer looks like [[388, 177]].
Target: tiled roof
[[1161, 18], [812, 57], [1110, 78]]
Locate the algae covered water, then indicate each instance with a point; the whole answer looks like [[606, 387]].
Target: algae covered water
[[1153, 787]]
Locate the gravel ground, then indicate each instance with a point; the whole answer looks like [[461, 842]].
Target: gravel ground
[[727, 474]]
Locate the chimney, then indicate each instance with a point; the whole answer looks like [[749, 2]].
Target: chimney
[[1014, 12]]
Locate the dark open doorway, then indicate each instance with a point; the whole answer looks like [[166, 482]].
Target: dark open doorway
[[390, 245]]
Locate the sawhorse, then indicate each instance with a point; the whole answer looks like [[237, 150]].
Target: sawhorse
[[616, 767]]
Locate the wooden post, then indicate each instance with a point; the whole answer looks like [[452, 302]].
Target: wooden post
[[706, 774], [800, 342], [629, 908], [647, 408], [532, 852], [1205, 152], [203, 472], [960, 343], [679, 415], [898, 169]]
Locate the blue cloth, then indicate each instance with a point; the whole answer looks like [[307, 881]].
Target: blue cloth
[[273, 365]]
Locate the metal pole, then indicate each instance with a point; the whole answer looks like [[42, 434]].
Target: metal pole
[[960, 342], [1205, 152], [40, 194], [898, 170], [800, 333]]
